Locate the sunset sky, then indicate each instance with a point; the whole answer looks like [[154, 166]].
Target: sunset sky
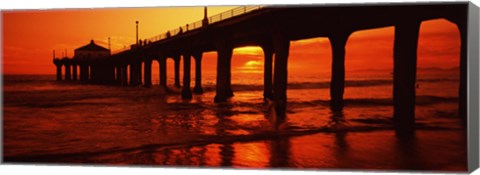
[[30, 36]]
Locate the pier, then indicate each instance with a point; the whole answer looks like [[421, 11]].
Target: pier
[[272, 28]]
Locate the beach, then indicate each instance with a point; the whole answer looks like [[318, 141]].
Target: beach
[[52, 122]]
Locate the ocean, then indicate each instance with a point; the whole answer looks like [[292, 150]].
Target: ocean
[[57, 122]]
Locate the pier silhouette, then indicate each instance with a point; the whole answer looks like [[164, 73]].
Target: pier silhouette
[[272, 28]]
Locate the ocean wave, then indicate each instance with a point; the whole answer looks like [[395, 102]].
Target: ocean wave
[[47, 80], [361, 102], [326, 84]]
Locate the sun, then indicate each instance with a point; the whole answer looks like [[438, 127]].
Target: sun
[[252, 66], [254, 63]]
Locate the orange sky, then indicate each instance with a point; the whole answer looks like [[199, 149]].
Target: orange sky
[[30, 36]]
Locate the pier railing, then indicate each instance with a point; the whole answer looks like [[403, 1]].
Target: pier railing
[[199, 24]]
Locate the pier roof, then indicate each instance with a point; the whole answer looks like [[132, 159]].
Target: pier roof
[[92, 47]]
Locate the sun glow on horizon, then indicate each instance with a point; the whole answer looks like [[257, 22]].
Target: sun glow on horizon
[[249, 50]]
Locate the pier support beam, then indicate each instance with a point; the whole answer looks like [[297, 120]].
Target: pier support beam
[[59, 72], [281, 46], [74, 70], [228, 67], [186, 92], [198, 73], [139, 72], [109, 73], [404, 75], [224, 52], [176, 60], [267, 71], [337, 83], [89, 72], [147, 75], [124, 75], [135, 73], [163, 71], [93, 72], [133, 78], [68, 72], [118, 76], [83, 72]]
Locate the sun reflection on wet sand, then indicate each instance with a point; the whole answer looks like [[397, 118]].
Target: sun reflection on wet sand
[[254, 155]]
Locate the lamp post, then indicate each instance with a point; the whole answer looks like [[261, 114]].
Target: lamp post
[[205, 17], [136, 22]]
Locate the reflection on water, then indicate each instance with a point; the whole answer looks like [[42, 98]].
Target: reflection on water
[[72, 123], [280, 152]]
